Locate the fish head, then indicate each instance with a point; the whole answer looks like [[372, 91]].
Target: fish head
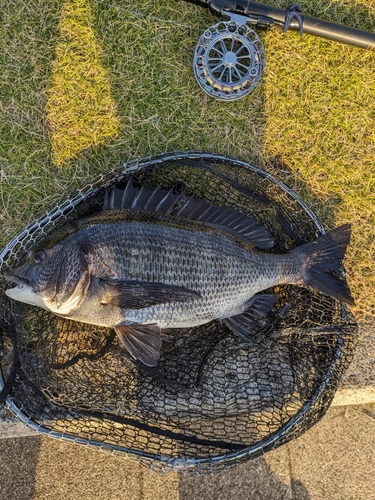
[[55, 279]]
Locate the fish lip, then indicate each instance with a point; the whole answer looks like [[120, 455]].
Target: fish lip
[[17, 280]]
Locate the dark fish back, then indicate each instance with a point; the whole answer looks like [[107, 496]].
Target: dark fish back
[[197, 258]]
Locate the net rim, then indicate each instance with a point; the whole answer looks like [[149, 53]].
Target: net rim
[[184, 464]]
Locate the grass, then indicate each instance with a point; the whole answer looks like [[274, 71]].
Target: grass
[[80, 108], [87, 85]]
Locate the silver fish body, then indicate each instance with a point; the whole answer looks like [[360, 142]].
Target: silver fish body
[[140, 270], [223, 273]]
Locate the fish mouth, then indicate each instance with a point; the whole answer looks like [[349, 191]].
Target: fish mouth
[[17, 280], [23, 292]]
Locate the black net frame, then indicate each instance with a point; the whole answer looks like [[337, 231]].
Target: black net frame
[[211, 402]]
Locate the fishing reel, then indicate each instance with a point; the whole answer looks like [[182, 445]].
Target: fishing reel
[[229, 59]]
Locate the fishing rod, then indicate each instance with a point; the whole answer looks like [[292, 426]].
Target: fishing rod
[[229, 58]]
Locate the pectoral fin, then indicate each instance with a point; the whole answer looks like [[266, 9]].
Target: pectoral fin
[[253, 312], [141, 294], [142, 341]]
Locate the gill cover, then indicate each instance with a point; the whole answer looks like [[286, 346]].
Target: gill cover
[[70, 281]]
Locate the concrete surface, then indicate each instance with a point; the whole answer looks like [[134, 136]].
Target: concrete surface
[[39, 468], [358, 384], [335, 460]]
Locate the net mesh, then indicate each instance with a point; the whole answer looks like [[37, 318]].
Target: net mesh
[[210, 402]]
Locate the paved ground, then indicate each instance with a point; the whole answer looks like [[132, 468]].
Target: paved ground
[[335, 460]]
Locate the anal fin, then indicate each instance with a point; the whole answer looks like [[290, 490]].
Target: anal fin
[[253, 312], [142, 341]]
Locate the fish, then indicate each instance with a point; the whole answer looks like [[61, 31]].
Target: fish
[[153, 259]]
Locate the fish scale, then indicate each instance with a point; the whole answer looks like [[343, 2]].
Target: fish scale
[[190, 259]]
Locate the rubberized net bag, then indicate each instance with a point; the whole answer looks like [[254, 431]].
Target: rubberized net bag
[[210, 402]]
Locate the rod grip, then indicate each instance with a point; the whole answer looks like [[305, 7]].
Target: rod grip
[[313, 26]]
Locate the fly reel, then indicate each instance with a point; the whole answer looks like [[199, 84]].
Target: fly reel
[[229, 59]]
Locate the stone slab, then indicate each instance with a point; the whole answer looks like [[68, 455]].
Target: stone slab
[[67, 471], [334, 460], [18, 462]]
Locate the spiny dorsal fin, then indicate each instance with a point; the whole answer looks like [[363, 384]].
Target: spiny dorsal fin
[[188, 207]]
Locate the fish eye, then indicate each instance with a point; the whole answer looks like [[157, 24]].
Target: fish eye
[[38, 256]]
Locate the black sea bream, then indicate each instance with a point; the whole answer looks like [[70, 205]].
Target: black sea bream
[[153, 259]]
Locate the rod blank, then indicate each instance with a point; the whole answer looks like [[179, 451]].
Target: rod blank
[[311, 25]]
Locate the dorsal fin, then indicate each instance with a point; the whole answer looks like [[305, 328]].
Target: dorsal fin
[[181, 205]]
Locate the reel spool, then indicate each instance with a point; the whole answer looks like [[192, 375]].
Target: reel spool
[[229, 59]]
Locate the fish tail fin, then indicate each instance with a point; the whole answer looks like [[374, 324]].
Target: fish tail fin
[[322, 263]]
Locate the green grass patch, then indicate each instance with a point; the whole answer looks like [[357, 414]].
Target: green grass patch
[[91, 84], [320, 108]]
